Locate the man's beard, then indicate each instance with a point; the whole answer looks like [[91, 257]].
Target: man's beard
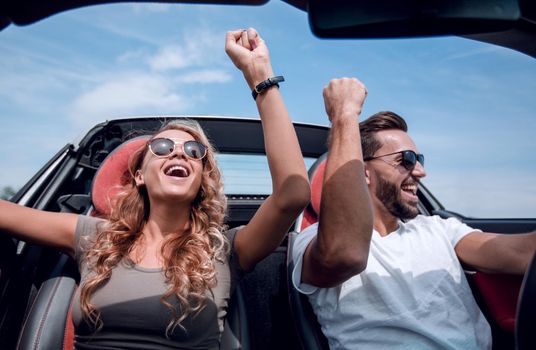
[[389, 194]]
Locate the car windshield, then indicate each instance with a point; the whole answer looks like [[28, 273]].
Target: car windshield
[[469, 105]]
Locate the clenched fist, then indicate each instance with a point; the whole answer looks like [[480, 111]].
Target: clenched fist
[[344, 98], [249, 53]]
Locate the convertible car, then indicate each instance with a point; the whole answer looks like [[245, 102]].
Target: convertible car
[[37, 283]]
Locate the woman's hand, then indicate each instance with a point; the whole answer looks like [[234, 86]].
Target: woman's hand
[[249, 53]]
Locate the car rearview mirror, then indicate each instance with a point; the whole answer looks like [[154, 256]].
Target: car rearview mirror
[[407, 18]]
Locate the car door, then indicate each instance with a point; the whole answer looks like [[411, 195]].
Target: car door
[[23, 267]]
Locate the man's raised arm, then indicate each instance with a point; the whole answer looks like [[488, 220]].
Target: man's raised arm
[[340, 250]]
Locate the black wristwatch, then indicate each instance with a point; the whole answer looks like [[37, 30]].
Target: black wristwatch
[[264, 85]]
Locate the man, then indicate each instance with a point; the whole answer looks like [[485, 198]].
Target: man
[[400, 285]]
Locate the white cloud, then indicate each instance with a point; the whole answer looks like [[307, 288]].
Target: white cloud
[[115, 25], [199, 48], [30, 75], [481, 50], [206, 76], [29, 149], [129, 94], [132, 56], [171, 57], [148, 93]]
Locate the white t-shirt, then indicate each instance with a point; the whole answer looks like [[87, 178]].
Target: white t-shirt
[[412, 295]]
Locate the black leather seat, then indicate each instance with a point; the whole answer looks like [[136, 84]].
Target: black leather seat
[[47, 321], [235, 334]]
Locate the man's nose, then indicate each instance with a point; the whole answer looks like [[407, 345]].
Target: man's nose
[[418, 171]]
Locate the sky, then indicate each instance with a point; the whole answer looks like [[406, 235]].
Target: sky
[[470, 106]]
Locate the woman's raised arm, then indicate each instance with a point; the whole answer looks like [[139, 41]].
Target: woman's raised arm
[[290, 185]]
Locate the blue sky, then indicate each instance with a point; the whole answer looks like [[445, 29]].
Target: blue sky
[[470, 106]]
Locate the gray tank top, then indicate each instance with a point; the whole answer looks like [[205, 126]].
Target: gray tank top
[[131, 310]]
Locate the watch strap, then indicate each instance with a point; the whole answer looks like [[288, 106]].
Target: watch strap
[[266, 84]]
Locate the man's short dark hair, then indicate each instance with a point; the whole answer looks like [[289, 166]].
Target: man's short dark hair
[[368, 128]]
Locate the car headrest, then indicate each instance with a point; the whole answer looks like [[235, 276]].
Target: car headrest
[[316, 177], [112, 175]]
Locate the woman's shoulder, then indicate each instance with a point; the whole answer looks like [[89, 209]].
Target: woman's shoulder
[[86, 229], [88, 224], [230, 233], [236, 270]]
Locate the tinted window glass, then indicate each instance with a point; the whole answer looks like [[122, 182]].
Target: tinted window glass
[[247, 174]]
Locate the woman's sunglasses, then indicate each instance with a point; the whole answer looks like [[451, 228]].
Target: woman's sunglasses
[[163, 147], [409, 158]]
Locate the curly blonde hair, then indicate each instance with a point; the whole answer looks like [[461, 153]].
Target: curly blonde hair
[[188, 259]]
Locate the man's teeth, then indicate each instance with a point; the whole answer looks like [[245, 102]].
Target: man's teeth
[[410, 188], [177, 170]]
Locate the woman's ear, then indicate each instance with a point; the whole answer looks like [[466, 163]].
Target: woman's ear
[[138, 177]]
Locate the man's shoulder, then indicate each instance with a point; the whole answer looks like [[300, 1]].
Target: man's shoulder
[[429, 220], [427, 223], [423, 220], [453, 228]]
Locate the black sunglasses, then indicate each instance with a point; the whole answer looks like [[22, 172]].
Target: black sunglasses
[[408, 161], [163, 147]]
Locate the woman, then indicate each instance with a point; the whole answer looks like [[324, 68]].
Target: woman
[[158, 273]]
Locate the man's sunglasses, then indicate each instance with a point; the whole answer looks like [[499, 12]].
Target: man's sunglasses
[[409, 158], [163, 147]]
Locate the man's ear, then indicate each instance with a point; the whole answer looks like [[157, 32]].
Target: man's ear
[[367, 174], [138, 177]]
